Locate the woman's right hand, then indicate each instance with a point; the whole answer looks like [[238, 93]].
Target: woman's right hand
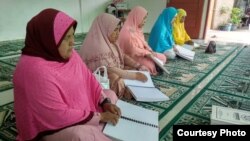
[[109, 117], [140, 76], [149, 55]]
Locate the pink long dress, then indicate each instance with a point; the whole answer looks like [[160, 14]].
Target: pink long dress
[[132, 41]]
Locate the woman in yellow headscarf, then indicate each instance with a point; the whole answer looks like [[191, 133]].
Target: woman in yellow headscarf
[[179, 32]]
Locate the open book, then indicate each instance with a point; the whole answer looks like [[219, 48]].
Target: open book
[[135, 124], [145, 91], [159, 63], [196, 45], [185, 53], [191, 47]]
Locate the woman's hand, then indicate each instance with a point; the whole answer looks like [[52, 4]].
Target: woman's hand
[[149, 55], [190, 42], [143, 68], [154, 54], [140, 76], [109, 117], [136, 76], [112, 108]]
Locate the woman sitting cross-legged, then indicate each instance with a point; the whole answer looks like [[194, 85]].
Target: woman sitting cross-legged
[[161, 36], [100, 49], [133, 43]]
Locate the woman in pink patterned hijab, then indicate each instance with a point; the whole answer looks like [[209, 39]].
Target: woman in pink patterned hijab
[[55, 96], [100, 49], [132, 41]]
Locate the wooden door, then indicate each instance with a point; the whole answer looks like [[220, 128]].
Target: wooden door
[[194, 10]]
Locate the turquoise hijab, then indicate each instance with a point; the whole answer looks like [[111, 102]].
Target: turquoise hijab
[[160, 38]]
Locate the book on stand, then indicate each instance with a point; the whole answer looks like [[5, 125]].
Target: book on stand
[[135, 124], [145, 91], [227, 116], [185, 53]]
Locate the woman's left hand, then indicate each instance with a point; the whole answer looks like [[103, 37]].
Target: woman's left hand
[[112, 108]]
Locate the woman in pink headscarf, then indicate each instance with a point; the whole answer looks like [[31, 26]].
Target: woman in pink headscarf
[[100, 49], [55, 96], [132, 41]]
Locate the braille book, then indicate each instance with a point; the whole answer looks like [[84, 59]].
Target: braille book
[[145, 91], [135, 124], [227, 116]]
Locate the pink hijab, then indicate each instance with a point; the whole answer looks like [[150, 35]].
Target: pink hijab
[[97, 50], [40, 41], [50, 94], [131, 36]]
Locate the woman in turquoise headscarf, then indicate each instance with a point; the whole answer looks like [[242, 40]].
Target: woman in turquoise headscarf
[[161, 38]]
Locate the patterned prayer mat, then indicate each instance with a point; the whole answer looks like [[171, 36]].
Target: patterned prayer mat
[[8, 131], [242, 72], [12, 60], [241, 62], [231, 85], [6, 73], [204, 66], [181, 77], [11, 47]]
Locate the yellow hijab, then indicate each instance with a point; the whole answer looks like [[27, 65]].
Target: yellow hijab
[[179, 33]]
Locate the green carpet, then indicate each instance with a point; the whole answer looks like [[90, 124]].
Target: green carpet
[[203, 66], [11, 47], [238, 71], [183, 78], [11, 60], [236, 94], [8, 131], [6, 73]]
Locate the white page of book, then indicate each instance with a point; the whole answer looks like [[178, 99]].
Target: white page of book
[[148, 83], [196, 45], [158, 60], [146, 94], [189, 47], [185, 53], [127, 130], [159, 63]]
